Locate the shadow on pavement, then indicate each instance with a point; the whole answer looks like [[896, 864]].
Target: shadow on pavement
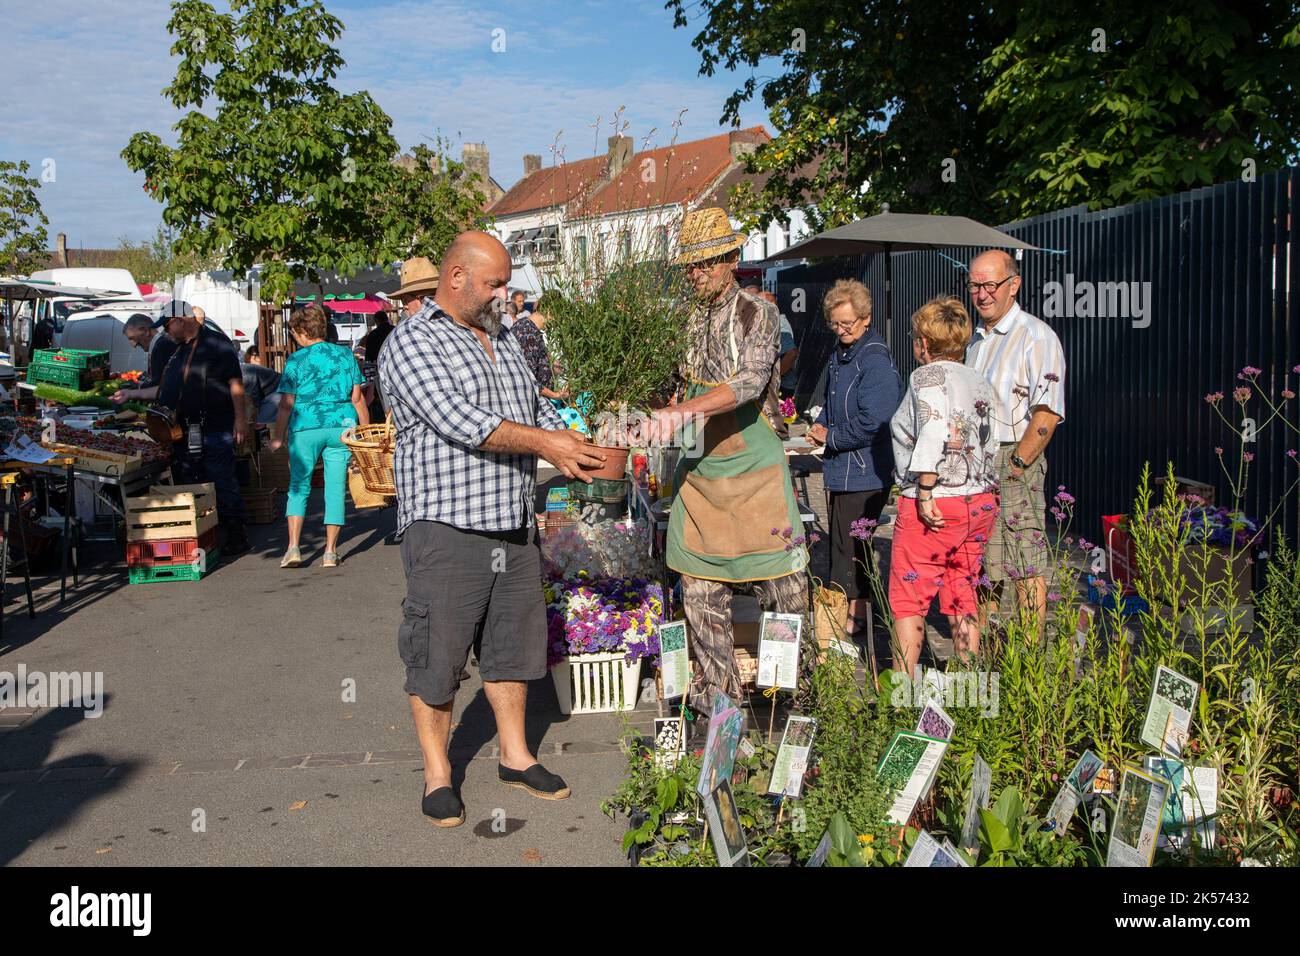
[[29, 810]]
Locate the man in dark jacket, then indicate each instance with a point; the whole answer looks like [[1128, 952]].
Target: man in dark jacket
[[863, 390]]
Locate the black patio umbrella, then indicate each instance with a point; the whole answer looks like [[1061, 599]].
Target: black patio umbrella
[[891, 232]]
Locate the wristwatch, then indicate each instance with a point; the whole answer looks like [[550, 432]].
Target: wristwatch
[[1019, 462]]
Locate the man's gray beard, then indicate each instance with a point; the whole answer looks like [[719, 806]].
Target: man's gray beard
[[488, 319]]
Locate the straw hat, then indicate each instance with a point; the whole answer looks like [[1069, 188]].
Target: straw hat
[[706, 233], [418, 275]]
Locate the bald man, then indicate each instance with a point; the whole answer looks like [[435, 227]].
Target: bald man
[[1022, 357], [470, 426]]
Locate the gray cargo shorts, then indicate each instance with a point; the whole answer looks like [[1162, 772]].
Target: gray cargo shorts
[[480, 589]]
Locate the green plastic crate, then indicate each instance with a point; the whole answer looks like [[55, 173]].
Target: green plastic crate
[[174, 572], [65, 376], [73, 358]]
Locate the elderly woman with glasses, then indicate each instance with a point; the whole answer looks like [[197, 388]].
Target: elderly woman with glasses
[[863, 389]]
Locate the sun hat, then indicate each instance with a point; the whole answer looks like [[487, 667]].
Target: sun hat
[[706, 234], [418, 275]]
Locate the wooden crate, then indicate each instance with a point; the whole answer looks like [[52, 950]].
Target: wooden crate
[[171, 511], [100, 462], [259, 505], [272, 469]]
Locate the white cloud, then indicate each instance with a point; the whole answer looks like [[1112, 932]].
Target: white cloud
[[91, 72]]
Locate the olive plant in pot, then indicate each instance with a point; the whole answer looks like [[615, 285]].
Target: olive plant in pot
[[616, 325]]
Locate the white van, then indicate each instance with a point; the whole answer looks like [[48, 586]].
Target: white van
[[103, 329], [224, 304], [117, 285]]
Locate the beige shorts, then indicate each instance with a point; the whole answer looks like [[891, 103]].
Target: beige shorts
[[1017, 547]]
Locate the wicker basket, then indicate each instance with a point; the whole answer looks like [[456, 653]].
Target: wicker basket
[[363, 497], [372, 451]]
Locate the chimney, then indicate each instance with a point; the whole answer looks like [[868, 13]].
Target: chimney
[[620, 154], [532, 163], [475, 158], [61, 251], [742, 141]]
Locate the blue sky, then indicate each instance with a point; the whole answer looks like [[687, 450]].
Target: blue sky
[[80, 76]]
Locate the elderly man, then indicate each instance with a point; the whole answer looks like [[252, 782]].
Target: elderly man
[[1022, 357], [419, 280], [159, 346], [734, 487], [203, 386], [470, 426]]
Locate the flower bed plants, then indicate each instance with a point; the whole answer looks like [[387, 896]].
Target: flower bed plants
[[593, 615]]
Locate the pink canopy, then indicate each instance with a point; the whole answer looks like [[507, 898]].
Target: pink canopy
[[366, 306]]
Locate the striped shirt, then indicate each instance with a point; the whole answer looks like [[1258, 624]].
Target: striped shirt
[[446, 398], [1022, 358]]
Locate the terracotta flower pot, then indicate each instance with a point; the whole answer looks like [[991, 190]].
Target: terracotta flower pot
[[615, 462]]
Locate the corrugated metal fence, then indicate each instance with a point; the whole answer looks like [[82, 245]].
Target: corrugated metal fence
[[1211, 283]]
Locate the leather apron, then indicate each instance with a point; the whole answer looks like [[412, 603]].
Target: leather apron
[[733, 489]]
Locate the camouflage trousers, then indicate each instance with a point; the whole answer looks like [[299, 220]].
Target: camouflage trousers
[[708, 615]]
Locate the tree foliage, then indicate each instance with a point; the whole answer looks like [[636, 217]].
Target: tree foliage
[[23, 237], [158, 259], [285, 171], [1000, 111]]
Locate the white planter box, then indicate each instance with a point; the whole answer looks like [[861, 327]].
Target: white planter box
[[596, 683]]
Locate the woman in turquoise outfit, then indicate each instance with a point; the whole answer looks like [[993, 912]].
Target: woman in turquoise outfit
[[320, 398]]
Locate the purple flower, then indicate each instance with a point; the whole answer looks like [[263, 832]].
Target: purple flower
[[1085, 544], [1248, 372], [861, 528], [981, 407], [776, 531], [1218, 450], [910, 576], [1213, 398], [814, 538], [1248, 456], [1288, 394], [1063, 497], [1291, 453], [1053, 596], [1058, 514], [1296, 369], [787, 532], [983, 581], [1051, 376], [1241, 394]]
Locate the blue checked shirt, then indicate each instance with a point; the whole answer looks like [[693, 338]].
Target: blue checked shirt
[[447, 397]]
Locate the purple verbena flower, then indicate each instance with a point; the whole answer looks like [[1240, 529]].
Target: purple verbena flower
[[1248, 372]]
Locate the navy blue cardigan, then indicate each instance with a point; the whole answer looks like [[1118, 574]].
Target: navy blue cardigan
[[863, 390]]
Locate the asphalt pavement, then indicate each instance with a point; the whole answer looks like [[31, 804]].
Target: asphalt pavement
[[257, 717]]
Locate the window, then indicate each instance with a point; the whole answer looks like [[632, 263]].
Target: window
[[580, 248], [663, 241], [624, 246]]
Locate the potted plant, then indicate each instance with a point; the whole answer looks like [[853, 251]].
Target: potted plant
[[598, 632], [618, 332]]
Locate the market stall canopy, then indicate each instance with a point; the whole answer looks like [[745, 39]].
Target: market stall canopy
[[899, 232], [22, 290], [363, 304], [891, 232]]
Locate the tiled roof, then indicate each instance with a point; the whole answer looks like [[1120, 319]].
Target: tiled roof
[[550, 186], [89, 259], [682, 173]]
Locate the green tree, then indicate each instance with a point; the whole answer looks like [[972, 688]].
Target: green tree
[[22, 221], [879, 92], [286, 171], [1000, 111], [434, 198], [1111, 103]]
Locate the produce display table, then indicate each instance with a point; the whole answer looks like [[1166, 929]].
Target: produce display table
[[7, 482]]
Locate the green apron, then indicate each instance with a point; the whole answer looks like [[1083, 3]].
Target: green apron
[[730, 495]]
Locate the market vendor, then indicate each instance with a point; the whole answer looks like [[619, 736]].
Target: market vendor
[[144, 333], [734, 487], [203, 388]]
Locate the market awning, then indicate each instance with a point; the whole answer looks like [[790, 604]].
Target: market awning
[[22, 290]]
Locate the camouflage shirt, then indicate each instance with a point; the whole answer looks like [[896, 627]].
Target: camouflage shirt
[[733, 341]]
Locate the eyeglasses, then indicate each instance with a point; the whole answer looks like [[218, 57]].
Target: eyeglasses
[[843, 326], [988, 288]]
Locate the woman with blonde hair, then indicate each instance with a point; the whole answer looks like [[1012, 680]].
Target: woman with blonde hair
[[943, 463], [863, 389], [320, 398]]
